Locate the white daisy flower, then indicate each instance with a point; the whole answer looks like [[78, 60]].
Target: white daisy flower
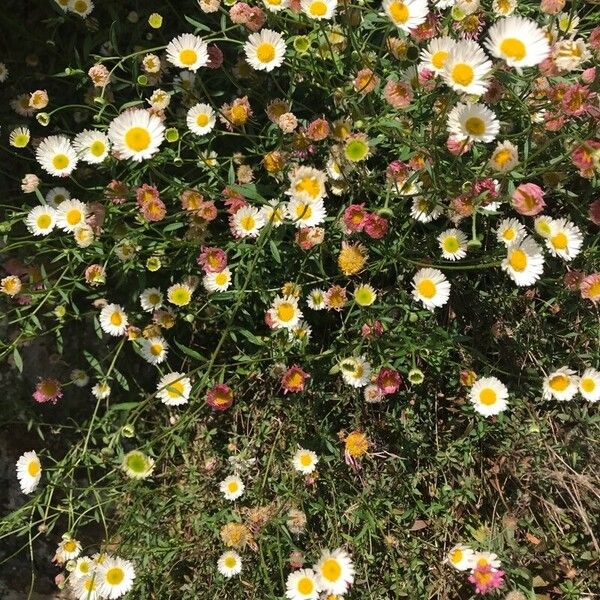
[[518, 41], [406, 15], [504, 8], [229, 564], [356, 371], [84, 567], [86, 587], [136, 134], [561, 384], [570, 55], [179, 294], [56, 155], [306, 214], [284, 312], [70, 214], [137, 465], [335, 571], [79, 377], [68, 549], [273, 212], [101, 390], [421, 210], [154, 350], [151, 299], [247, 222], [488, 396], [524, 261], [434, 56], [316, 299], [56, 195], [431, 288], [188, 51], [29, 472], [265, 50], [276, 5], [174, 389], [201, 119], [319, 9], [565, 239], [302, 585], [453, 244], [486, 559], [115, 577], [217, 282], [510, 231], [41, 220], [113, 320], [589, 385], [84, 235], [505, 157], [461, 557], [83, 8], [92, 146], [232, 487], [543, 226], [307, 184], [467, 68], [474, 122], [305, 461]]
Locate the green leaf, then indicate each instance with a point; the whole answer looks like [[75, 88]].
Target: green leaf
[[191, 353], [18, 360]]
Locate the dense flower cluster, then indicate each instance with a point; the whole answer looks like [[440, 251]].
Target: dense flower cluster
[[248, 201]]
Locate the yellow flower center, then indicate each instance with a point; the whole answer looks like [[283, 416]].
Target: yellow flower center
[[518, 260], [137, 139], [69, 546], [303, 211], [202, 120], [232, 486], [331, 569], [475, 126], [427, 288], [305, 585], [285, 311], [456, 556], [188, 57], [309, 185], [559, 383], [221, 279], [44, 221], [156, 349], [89, 584], [488, 396], [74, 216], [180, 297], [451, 245], [318, 9], [559, 241], [463, 74], [399, 12], [503, 157], [80, 6], [116, 319], [175, 389], [238, 114], [115, 575], [305, 460], [230, 562], [33, 468], [265, 52], [594, 290], [438, 58], [588, 384], [248, 223], [513, 48], [60, 161], [97, 148]]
